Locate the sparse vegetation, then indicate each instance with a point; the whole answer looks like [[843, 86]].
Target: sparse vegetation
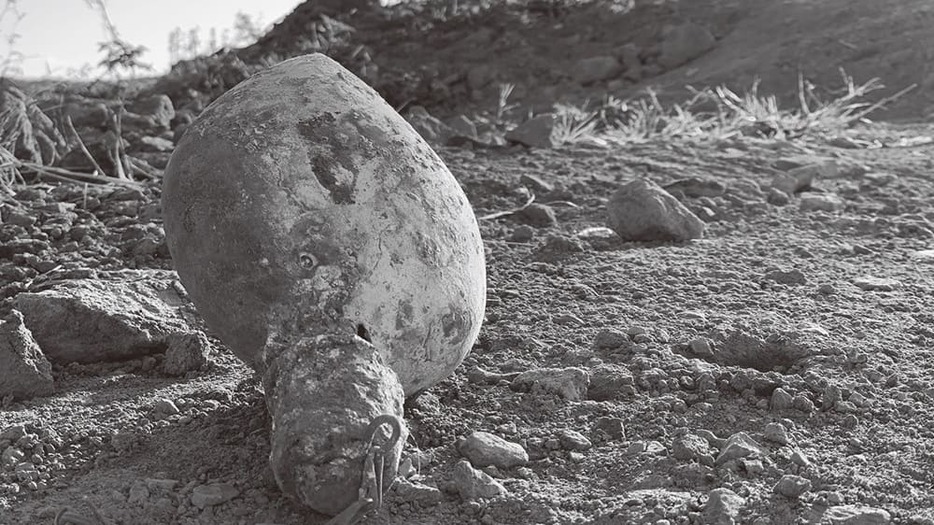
[[718, 113]]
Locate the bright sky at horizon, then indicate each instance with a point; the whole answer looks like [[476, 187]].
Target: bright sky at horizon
[[60, 37]]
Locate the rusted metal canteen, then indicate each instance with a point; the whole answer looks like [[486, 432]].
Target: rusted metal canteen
[[330, 248]]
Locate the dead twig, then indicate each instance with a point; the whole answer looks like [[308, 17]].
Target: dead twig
[[501, 214], [84, 149]]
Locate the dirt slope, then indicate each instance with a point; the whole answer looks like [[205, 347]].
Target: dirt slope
[[454, 62]]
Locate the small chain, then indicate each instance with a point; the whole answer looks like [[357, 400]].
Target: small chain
[[370, 493]]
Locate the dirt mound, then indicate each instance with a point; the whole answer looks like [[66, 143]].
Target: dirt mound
[[454, 59]]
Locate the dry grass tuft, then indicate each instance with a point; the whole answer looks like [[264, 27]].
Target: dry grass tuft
[[719, 113]]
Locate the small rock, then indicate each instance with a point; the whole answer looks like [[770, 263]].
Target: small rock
[[158, 107], [537, 132], [798, 458], [778, 197], [472, 484], [701, 347], [791, 486], [803, 403], [790, 277], [608, 382], [856, 515], [642, 211], [24, 370], [573, 440], [11, 457], [165, 407], [522, 233], [610, 339], [570, 383], [689, 447], [636, 447], [537, 215], [821, 202], [877, 284], [723, 507], [800, 178], [214, 494], [739, 445], [418, 493], [484, 449], [684, 43], [781, 400], [695, 187], [776, 433], [13, 433], [595, 69], [185, 352]]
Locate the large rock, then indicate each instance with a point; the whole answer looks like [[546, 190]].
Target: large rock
[[684, 43], [120, 316], [24, 371], [642, 211]]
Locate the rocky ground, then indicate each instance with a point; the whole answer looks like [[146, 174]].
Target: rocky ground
[[776, 370]]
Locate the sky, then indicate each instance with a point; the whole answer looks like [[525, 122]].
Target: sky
[[59, 37]]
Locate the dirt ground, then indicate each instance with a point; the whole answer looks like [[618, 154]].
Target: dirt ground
[[685, 345]]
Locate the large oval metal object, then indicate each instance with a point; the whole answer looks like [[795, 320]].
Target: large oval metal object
[[301, 203]]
